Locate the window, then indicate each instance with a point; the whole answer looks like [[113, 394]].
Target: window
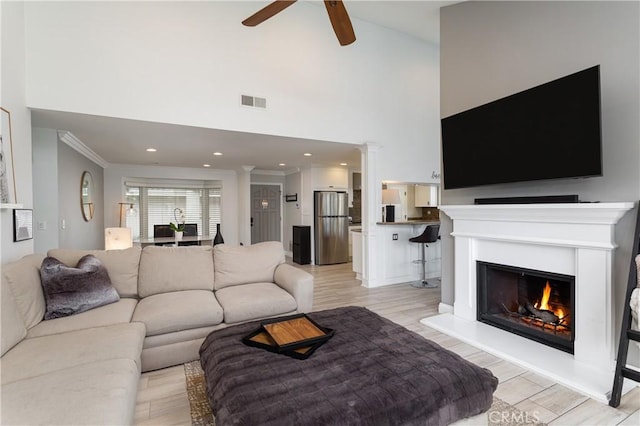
[[202, 206]]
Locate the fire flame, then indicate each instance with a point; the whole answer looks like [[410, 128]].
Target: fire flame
[[544, 302]]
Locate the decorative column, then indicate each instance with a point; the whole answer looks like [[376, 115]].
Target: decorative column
[[371, 199], [244, 204]]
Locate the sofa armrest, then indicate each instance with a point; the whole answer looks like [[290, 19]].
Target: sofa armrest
[[297, 282]]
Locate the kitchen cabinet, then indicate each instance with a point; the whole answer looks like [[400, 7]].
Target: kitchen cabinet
[[330, 178], [357, 180], [351, 230], [426, 195], [397, 255], [356, 260]]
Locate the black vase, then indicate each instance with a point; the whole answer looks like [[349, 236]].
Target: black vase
[[218, 238]]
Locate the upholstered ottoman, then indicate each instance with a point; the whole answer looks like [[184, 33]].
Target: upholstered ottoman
[[372, 371]]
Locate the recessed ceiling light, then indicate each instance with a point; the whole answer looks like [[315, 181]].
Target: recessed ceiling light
[[217, 153], [281, 164], [206, 165], [151, 150], [343, 164], [307, 154]]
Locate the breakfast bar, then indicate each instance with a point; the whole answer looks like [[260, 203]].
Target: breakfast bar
[[399, 259], [412, 222]]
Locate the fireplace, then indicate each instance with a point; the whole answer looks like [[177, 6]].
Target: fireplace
[[534, 304], [568, 240]]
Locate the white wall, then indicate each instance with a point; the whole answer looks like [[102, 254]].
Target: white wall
[[78, 233], [116, 174], [57, 173], [188, 63], [266, 177], [45, 189], [493, 49], [292, 210], [12, 97]]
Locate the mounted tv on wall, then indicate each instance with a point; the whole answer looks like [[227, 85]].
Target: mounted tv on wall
[[551, 131]]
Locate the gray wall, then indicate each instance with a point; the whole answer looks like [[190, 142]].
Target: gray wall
[[79, 234], [493, 49], [57, 171], [45, 189], [292, 210]]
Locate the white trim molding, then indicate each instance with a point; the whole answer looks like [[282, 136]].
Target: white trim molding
[[75, 143]]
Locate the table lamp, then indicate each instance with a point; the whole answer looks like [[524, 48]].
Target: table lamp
[[117, 238], [390, 197], [126, 209]]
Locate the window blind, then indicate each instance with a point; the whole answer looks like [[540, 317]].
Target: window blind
[[156, 206]]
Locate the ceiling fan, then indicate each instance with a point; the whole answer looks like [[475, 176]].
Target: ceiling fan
[[337, 15]]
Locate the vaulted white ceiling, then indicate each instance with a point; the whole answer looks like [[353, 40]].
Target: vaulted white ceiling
[[124, 141]]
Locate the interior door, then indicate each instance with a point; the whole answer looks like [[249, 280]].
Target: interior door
[[265, 213]]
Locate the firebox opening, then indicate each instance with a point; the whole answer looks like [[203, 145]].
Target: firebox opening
[[534, 304]]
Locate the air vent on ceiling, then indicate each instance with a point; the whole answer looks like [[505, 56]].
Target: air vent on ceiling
[[253, 101]]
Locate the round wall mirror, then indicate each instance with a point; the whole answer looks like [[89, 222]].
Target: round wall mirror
[[86, 196]]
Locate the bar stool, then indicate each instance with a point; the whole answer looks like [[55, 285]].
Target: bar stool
[[429, 235]]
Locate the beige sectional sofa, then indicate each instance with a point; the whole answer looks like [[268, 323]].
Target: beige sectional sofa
[[84, 368]]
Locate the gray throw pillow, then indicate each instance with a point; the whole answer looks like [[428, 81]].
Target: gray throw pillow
[[69, 290]]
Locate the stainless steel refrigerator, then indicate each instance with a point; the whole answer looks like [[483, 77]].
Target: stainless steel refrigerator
[[331, 228]]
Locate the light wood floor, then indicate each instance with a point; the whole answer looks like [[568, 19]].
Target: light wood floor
[[162, 398]]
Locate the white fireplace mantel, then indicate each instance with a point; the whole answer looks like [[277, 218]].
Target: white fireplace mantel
[[594, 213], [569, 225], [573, 239]]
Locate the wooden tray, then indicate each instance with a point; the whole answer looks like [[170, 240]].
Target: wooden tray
[[295, 331], [261, 339], [297, 336]]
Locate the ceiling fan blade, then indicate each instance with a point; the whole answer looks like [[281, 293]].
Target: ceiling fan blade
[[267, 12], [340, 21]]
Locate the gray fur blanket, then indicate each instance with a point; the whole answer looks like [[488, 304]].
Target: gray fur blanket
[[371, 372]]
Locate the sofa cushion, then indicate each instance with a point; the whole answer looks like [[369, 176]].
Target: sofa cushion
[[254, 301], [42, 355], [298, 283], [167, 269], [23, 276], [122, 265], [179, 310], [70, 290], [114, 313], [101, 393], [13, 329], [166, 339], [236, 265], [171, 354]]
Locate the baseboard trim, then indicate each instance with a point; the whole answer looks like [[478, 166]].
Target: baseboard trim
[[443, 308]]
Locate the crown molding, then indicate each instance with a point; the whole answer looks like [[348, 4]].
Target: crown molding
[[75, 143], [268, 172]]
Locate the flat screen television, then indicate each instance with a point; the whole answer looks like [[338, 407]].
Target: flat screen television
[[551, 131]]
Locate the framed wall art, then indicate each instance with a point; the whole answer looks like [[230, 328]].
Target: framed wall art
[[22, 224], [7, 173]]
